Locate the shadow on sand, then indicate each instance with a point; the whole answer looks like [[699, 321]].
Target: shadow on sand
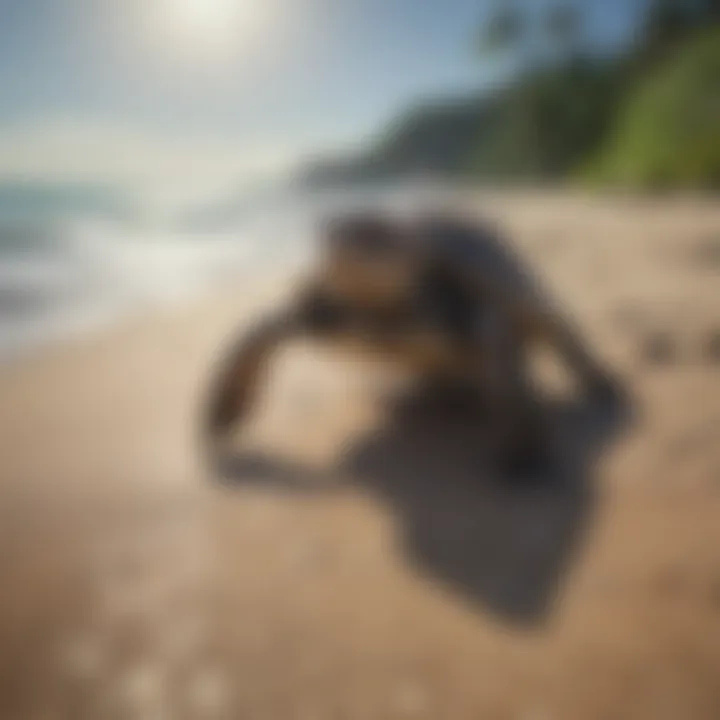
[[503, 546]]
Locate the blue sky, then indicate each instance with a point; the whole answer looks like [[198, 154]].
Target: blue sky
[[151, 90]]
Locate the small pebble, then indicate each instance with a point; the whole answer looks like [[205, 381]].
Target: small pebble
[[707, 251], [711, 347], [659, 349]]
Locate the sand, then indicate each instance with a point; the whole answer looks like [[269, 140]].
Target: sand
[[372, 569]]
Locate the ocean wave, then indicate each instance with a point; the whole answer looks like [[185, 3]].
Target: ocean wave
[[54, 277]]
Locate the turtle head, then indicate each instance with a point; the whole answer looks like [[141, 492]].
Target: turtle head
[[368, 258]]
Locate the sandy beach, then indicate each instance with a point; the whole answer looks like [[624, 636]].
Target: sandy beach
[[402, 582]]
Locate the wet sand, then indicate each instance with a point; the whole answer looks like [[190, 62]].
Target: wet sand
[[373, 568]]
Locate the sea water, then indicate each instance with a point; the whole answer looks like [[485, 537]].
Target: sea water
[[64, 273], [63, 276]]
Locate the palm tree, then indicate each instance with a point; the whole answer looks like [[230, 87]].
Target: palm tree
[[533, 41], [563, 25], [504, 30], [510, 28], [667, 24]]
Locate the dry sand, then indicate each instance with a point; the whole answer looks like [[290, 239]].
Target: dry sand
[[406, 583]]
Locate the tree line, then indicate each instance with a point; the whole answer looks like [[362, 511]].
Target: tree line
[[646, 117]]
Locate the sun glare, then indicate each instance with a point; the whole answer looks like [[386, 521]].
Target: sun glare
[[207, 16], [208, 25]]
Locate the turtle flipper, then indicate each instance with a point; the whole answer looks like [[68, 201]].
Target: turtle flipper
[[236, 384]]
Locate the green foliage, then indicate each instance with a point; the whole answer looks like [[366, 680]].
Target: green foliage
[[668, 135], [649, 118], [435, 137], [504, 30], [667, 25], [548, 124], [563, 22]]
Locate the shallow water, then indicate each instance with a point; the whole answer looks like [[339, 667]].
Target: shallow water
[[68, 274], [63, 277]]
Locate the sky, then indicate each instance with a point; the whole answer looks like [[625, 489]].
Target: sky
[[181, 93]]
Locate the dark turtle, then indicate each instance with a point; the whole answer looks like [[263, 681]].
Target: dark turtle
[[442, 296]]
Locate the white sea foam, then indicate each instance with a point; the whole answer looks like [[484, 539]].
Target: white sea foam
[[62, 278], [67, 275]]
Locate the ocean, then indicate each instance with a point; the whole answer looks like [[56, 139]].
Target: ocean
[[85, 265], [60, 276]]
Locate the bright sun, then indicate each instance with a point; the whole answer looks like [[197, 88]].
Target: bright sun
[[208, 25], [208, 16]]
